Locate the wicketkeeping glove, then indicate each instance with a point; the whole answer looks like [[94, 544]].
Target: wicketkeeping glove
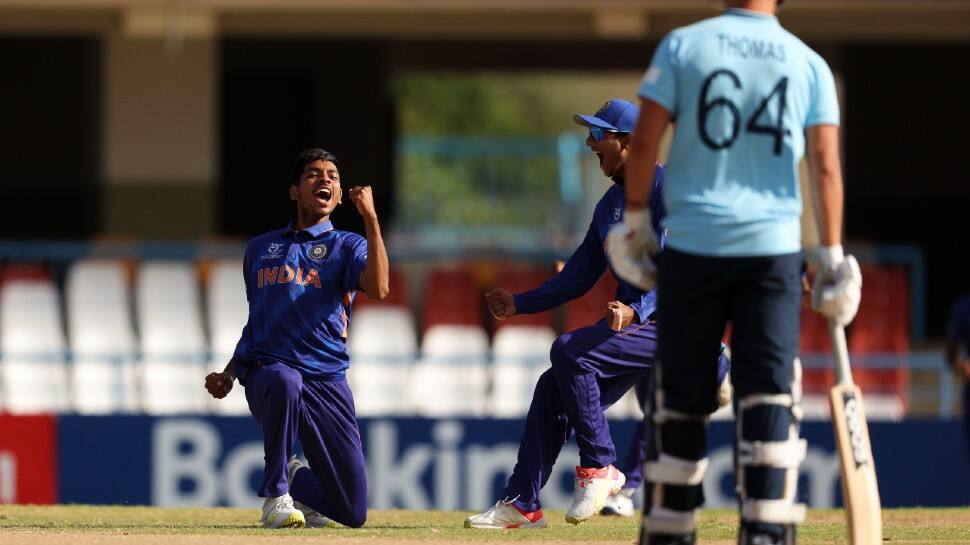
[[838, 285], [630, 244]]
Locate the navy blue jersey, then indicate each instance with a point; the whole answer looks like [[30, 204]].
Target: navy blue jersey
[[589, 261], [300, 286], [958, 325]]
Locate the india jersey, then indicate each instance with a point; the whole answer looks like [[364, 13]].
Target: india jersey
[[741, 90], [587, 264], [300, 286]]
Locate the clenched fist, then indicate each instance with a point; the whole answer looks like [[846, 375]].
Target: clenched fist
[[500, 303], [618, 315], [363, 199], [219, 384]]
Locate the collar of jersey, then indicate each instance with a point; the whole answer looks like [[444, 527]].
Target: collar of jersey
[[314, 231], [753, 14]]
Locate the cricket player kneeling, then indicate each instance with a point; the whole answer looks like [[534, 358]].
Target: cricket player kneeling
[[292, 357]]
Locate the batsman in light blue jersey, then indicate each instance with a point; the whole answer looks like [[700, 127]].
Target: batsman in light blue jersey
[[747, 97]]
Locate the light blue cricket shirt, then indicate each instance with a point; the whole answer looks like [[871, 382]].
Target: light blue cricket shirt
[[742, 90]]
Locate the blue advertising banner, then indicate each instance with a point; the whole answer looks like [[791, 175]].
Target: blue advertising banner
[[453, 464]]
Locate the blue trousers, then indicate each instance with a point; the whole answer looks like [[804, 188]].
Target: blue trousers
[[592, 367], [697, 297], [321, 415]]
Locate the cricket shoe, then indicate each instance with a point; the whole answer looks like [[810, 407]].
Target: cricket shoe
[[620, 504], [312, 517], [506, 516], [593, 487], [279, 512]]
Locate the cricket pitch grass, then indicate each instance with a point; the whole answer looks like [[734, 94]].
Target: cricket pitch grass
[[114, 525]]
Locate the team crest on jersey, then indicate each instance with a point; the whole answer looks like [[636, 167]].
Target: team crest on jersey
[[273, 250], [616, 214], [318, 252]]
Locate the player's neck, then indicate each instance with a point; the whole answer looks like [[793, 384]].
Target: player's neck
[[305, 220], [761, 6]]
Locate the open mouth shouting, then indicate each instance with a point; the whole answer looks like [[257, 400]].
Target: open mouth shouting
[[323, 195]]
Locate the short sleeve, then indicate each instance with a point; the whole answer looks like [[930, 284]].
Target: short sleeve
[[659, 83], [356, 261], [825, 100]]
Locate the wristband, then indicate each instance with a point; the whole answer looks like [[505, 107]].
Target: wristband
[[830, 256]]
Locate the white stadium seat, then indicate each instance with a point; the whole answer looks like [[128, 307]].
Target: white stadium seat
[[228, 311], [382, 343], [172, 343], [101, 336], [451, 378], [520, 354], [34, 369]]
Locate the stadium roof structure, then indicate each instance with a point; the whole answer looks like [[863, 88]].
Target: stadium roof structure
[[829, 20]]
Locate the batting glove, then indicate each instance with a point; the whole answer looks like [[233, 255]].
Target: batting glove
[[838, 285], [630, 244]]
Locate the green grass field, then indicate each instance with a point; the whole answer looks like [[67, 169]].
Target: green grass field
[[83, 525]]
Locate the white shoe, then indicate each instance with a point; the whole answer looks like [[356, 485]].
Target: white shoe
[[312, 517], [593, 488], [504, 515], [279, 512], [620, 504]]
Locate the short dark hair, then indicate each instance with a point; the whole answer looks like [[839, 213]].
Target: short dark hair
[[306, 157]]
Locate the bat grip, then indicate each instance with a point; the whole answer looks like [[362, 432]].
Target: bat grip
[[840, 351]]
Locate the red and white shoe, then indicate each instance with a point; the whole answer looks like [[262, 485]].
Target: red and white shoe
[[506, 516], [593, 487]]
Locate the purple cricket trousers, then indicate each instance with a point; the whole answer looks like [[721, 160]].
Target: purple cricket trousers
[[321, 415], [592, 367]]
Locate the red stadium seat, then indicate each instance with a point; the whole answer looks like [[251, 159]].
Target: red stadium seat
[[882, 324], [519, 279], [397, 297], [24, 271], [591, 307], [451, 297]]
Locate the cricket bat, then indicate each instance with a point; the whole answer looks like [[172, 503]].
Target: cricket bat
[[860, 493]]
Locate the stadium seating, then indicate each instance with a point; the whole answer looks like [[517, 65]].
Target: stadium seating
[[33, 369], [228, 311], [102, 339], [451, 297], [451, 377], [520, 354], [382, 342], [591, 307], [519, 279], [172, 342]]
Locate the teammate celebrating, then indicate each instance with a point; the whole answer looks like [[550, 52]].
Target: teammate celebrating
[[592, 367], [292, 356], [744, 92]]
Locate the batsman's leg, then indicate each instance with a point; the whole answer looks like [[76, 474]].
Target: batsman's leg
[[692, 313], [767, 393]]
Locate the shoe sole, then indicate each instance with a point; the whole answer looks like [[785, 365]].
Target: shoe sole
[[610, 512], [292, 521], [522, 526]]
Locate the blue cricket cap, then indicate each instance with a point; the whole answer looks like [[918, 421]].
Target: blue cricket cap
[[616, 115]]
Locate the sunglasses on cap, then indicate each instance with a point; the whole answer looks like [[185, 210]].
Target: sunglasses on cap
[[599, 133]]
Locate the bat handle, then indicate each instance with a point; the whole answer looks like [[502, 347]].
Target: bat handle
[[840, 351]]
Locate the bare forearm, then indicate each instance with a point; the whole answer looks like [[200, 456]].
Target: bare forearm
[[643, 153], [826, 172], [375, 277]]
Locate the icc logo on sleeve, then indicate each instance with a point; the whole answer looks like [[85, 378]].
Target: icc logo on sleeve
[[318, 251]]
